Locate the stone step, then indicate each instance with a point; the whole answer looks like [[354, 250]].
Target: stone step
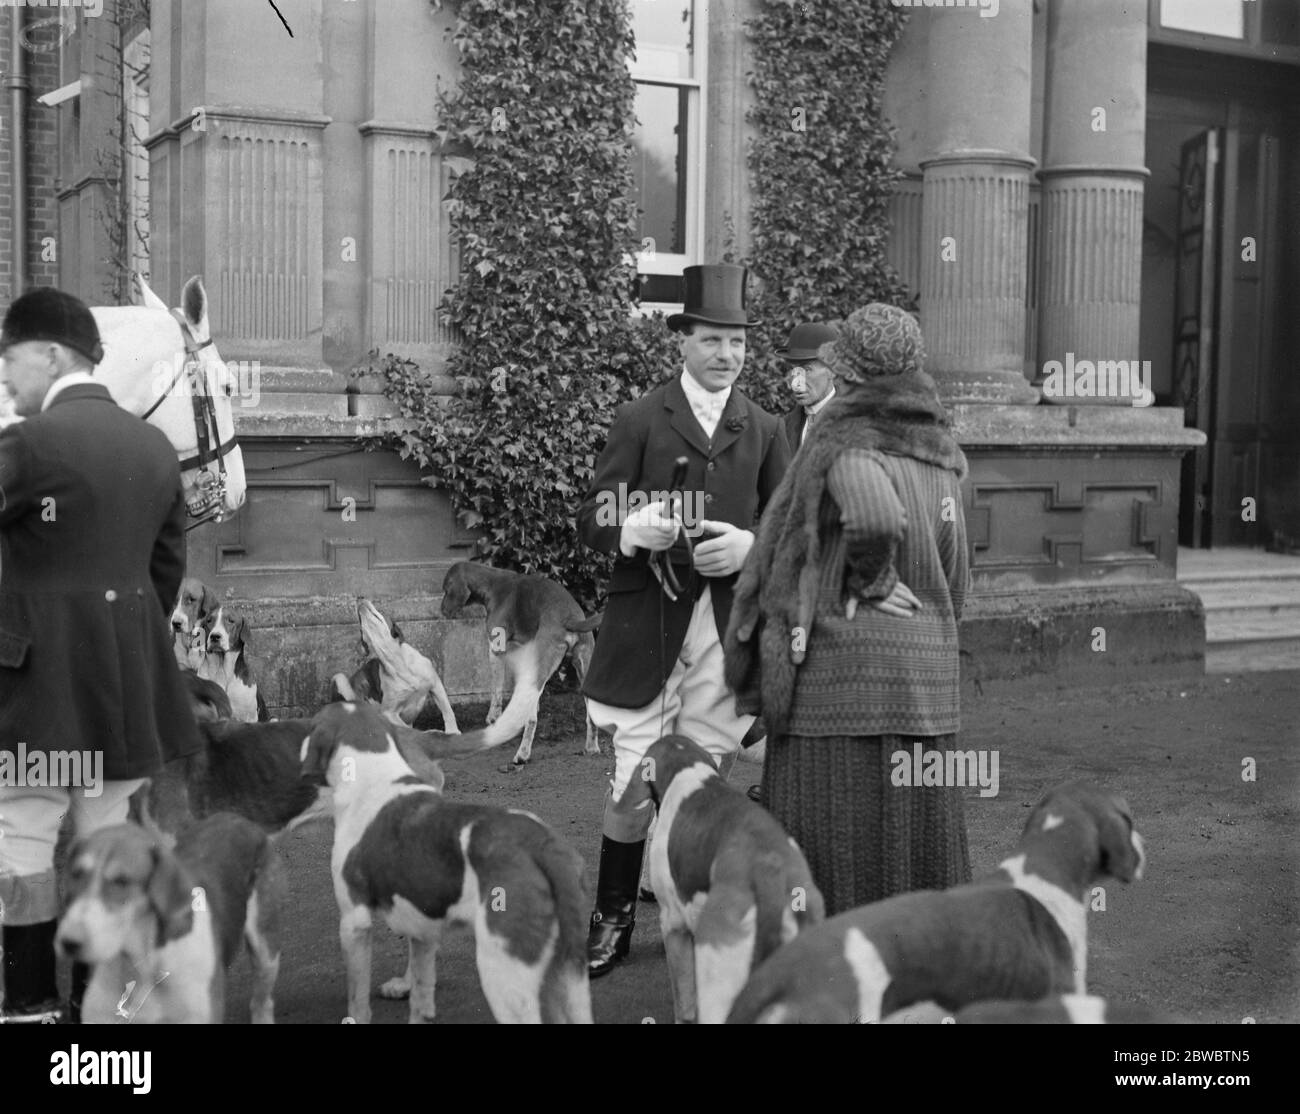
[[1205, 566], [1277, 594], [1235, 627], [1252, 657]]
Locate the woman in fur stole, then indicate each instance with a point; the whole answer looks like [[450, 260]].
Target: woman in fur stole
[[845, 688]]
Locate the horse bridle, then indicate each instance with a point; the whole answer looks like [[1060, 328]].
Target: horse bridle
[[209, 504]]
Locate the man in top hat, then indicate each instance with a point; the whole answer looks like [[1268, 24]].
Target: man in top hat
[[811, 381], [92, 552], [657, 666]]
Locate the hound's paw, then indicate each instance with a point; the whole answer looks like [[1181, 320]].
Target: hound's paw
[[398, 987]]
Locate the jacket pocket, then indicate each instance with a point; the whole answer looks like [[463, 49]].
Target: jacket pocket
[[13, 649]]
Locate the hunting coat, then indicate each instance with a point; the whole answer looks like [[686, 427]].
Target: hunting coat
[[729, 478], [92, 553]]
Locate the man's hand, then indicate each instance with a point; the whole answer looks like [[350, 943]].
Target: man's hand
[[648, 528], [723, 555], [900, 603]]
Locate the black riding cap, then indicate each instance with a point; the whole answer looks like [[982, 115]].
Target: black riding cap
[[49, 314]]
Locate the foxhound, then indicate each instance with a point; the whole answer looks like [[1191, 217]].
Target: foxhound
[[532, 625], [403, 851], [396, 676], [1021, 933], [160, 928], [225, 662], [195, 603]]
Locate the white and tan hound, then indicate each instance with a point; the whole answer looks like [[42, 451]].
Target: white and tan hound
[[195, 603], [225, 662], [396, 676], [532, 625], [1019, 934], [732, 886], [402, 851], [161, 927]]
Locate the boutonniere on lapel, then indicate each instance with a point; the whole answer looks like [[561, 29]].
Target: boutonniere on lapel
[[737, 422]]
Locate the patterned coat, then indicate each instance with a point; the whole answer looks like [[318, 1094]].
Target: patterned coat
[[92, 532], [728, 479]]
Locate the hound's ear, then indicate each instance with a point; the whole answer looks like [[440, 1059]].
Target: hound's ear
[[239, 635], [640, 791], [1123, 855], [372, 673], [209, 602], [395, 631], [315, 754], [171, 896]]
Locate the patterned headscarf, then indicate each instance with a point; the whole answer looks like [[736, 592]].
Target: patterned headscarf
[[878, 339]]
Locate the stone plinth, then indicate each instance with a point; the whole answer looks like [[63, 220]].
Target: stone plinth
[[1072, 519]]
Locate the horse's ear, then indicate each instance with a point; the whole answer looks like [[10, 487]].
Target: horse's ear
[[148, 298], [194, 304]]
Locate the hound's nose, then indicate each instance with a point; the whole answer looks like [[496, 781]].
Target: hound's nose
[[70, 948]]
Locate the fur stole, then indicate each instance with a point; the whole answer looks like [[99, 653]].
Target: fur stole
[[776, 593]]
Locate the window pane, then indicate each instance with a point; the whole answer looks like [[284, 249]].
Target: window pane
[[663, 37], [1280, 22], [659, 165], [660, 288], [1209, 17]]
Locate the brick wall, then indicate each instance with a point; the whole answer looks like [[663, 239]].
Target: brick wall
[[42, 166]]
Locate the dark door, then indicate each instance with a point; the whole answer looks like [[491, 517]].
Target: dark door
[[1195, 303]]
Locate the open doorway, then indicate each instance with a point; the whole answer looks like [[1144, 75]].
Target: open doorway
[[1220, 276]]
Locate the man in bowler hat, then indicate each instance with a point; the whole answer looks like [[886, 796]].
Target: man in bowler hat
[[657, 666], [92, 552], [811, 381]]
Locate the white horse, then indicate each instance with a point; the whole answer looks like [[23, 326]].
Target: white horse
[[161, 365]]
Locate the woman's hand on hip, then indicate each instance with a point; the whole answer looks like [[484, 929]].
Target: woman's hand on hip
[[901, 603]]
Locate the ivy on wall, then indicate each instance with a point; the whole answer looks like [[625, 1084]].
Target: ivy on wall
[[820, 169], [546, 228]]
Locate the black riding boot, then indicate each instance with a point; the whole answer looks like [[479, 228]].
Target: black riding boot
[[31, 987], [610, 936]]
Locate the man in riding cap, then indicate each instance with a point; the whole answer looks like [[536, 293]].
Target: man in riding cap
[[92, 553]]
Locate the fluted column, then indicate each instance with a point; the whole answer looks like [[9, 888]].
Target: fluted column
[[975, 201], [1093, 180]]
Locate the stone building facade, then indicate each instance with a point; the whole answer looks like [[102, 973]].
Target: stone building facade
[[302, 176]]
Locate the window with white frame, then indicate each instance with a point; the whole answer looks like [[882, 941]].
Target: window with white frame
[[668, 143]]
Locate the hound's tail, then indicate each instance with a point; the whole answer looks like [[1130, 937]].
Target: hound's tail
[[581, 626], [565, 990], [508, 727]]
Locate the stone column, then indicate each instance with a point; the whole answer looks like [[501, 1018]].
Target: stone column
[[728, 97], [976, 200], [1093, 175]]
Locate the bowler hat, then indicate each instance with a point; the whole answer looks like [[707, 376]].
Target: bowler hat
[[804, 341], [49, 314], [715, 295]]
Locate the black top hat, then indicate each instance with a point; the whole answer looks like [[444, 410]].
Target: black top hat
[[49, 314], [805, 340], [715, 295]]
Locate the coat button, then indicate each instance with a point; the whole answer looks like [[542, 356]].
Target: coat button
[[708, 498], [110, 595], [712, 466], [139, 591]]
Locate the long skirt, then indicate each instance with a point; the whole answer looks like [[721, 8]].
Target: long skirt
[[865, 839]]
